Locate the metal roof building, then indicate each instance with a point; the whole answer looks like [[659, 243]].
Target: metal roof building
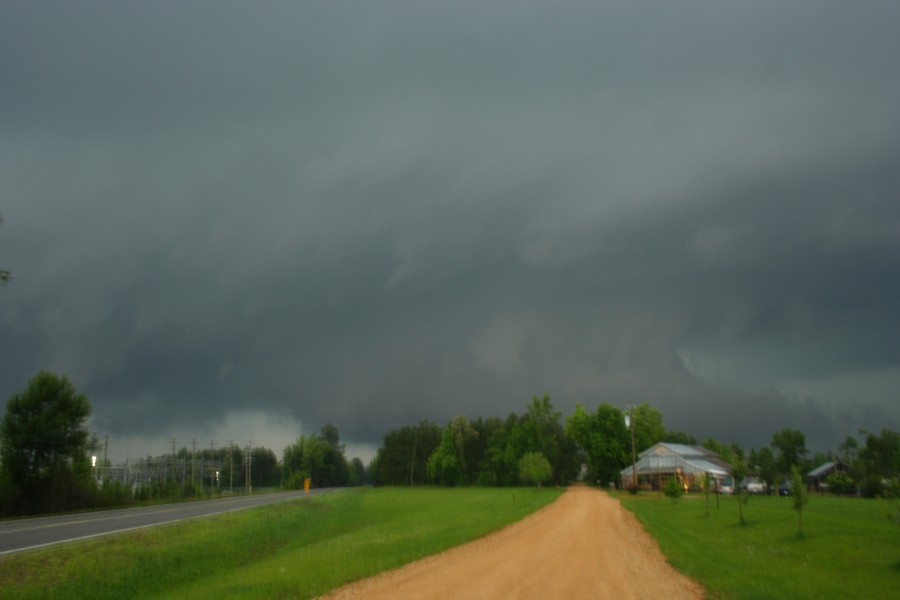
[[663, 461]]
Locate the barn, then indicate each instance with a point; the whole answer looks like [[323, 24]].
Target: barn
[[815, 479]]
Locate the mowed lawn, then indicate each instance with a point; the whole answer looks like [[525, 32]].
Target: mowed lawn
[[294, 550], [850, 547]]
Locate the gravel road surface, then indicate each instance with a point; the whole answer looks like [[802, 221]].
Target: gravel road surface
[[584, 545]]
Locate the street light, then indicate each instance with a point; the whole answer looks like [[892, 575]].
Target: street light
[[629, 422]]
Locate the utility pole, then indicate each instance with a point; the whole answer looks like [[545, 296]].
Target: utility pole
[[173, 462], [249, 468], [231, 466], [634, 481], [105, 449]]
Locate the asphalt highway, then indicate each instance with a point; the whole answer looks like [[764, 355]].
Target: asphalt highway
[[21, 535]]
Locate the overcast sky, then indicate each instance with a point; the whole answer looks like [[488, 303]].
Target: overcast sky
[[240, 221]]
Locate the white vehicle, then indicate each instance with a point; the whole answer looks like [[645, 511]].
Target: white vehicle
[[753, 485]]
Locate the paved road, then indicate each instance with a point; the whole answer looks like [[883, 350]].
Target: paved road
[[29, 534]]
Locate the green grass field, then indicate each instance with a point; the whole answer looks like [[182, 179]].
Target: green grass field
[[294, 550], [850, 548]]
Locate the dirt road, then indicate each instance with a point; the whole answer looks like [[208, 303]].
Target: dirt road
[[584, 545]]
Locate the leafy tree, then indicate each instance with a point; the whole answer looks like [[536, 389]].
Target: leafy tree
[[403, 456], [791, 447], [357, 472], [330, 434], [739, 472], [673, 489], [881, 454], [679, 437], [318, 457], [264, 469], [840, 483], [534, 468], [706, 482], [543, 433], [724, 452], [848, 449], [540, 427], [447, 465], [44, 445], [648, 427], [763, 463], [604, 438], [799, 496], [334, 470], [504, 444], [493, 437]]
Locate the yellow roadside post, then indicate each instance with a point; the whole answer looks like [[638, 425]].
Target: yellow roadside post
[[306, 486]]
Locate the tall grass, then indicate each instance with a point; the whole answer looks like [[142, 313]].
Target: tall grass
[[848, 549], [294, 550]]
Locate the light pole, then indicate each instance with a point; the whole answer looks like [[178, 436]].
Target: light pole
[[249, 468], [629, 422]]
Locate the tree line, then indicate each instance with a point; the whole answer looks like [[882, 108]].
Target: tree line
[[595, 446], [46, 466]]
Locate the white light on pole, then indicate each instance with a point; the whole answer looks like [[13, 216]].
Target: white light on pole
[[629, 423]]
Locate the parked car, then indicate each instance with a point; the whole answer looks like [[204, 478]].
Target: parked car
[[753, 485], [784, 489]]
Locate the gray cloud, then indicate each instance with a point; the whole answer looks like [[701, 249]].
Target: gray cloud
[[371, 219]]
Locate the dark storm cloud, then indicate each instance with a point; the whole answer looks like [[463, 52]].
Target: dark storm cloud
[[370, 219]]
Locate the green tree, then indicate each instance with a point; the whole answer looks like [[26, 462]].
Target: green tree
[[357, 472], [766, 466], [840, 483], [44, 443], [317, 457], [447, 465], [648, 427], [534, 468], [403, 456], [881, 453], [604, 438], [878, 461], [790, 445], [264, 469], [724, 452], [739, 472], [334, 470], [848, 449], [544, 433], [673, 489], [799, 496], [503, 445], [679, 437]]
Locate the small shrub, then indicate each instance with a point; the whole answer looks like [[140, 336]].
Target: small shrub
[[673, 489], [534, 468], [800, 496], [840, 483]]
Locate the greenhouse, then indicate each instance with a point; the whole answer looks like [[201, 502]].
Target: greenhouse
[[687, 464]]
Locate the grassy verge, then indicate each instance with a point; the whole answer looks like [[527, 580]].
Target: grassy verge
[[294, 550], [849, 549]]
